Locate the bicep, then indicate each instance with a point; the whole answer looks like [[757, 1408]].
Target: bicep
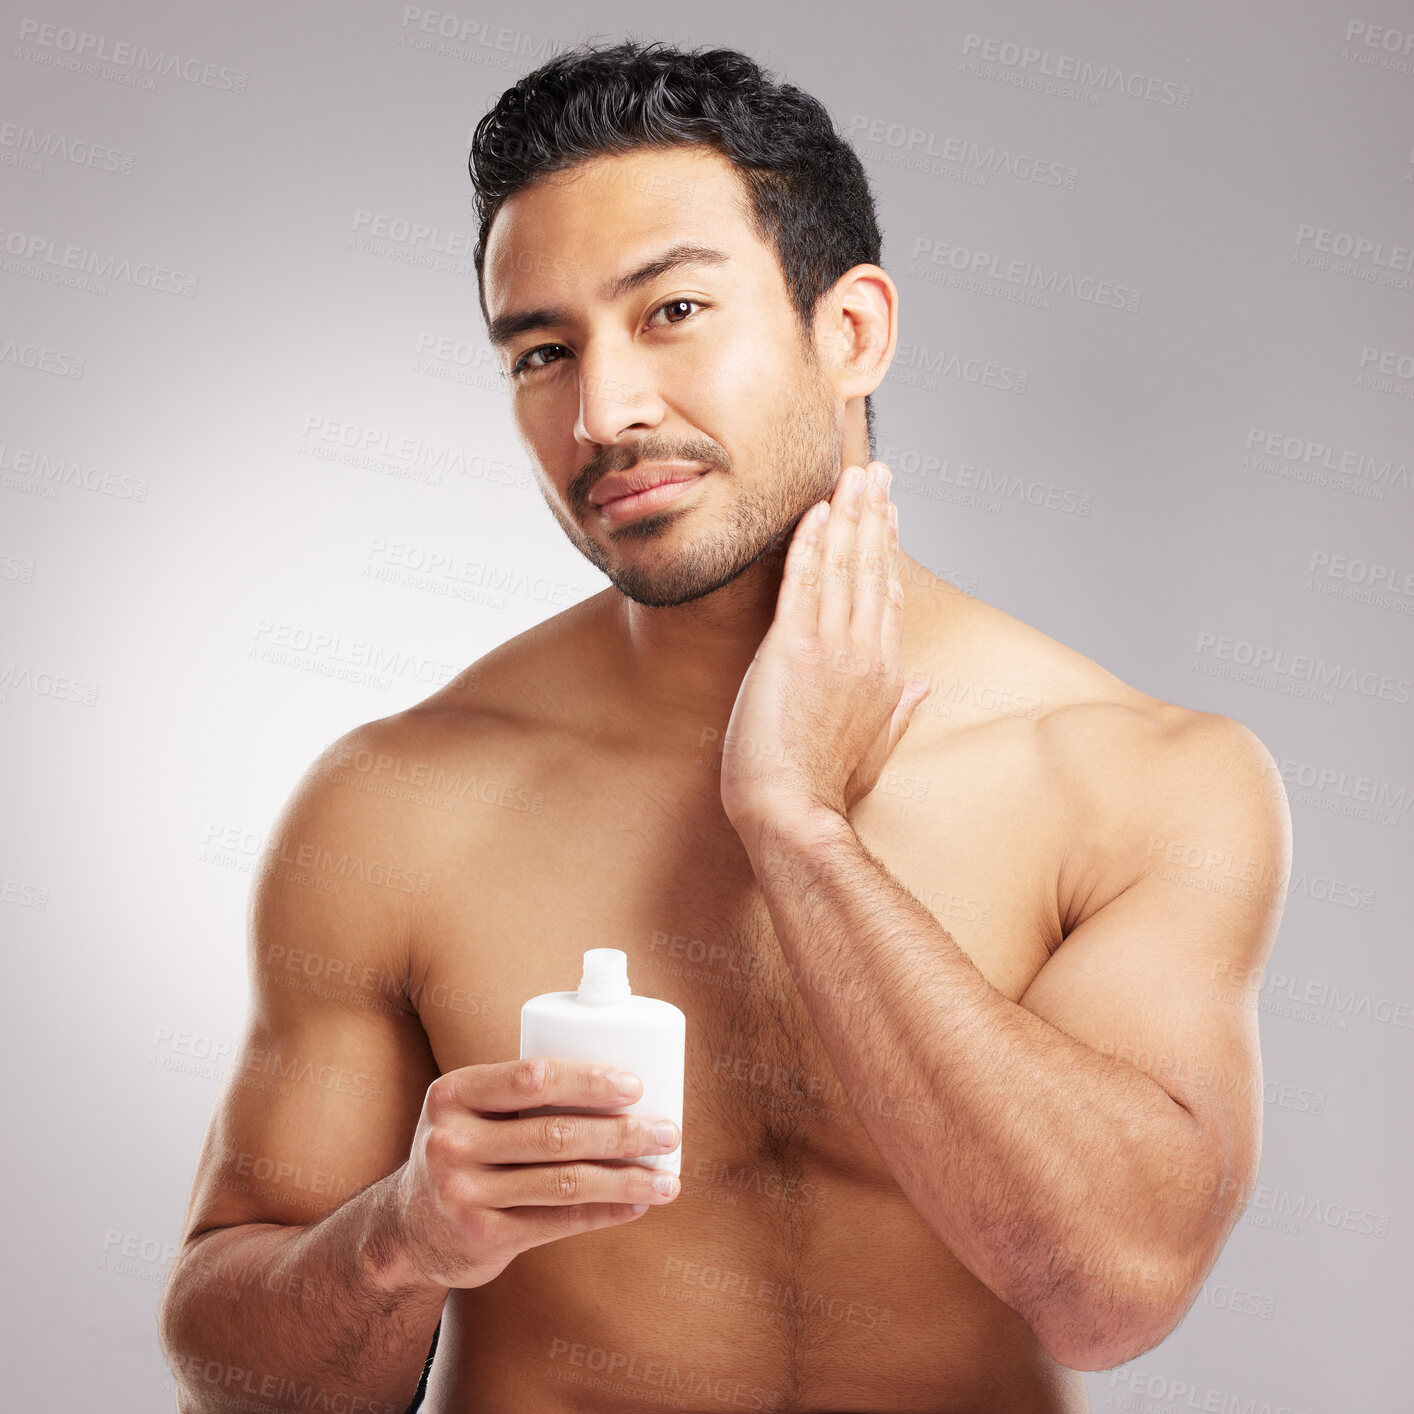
[[324, 1093], [1162, 976]]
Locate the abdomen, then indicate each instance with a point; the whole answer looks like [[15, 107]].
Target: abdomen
[[747, 1292]]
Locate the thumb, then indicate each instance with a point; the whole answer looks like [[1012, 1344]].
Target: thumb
[[915, 690]]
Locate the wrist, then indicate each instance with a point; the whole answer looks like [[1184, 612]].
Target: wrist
[[788, 824], [384, 1255]]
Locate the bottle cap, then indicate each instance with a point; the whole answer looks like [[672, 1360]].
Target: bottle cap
[[605, 977]]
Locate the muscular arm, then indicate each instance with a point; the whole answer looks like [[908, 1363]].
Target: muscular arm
[[286, 1290], [1085, 1194], [298, 1315]]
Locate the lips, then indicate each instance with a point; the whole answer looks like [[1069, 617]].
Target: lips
[[618, 484], [634, 505]]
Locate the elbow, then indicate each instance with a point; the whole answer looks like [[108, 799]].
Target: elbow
[[1103, 1326], [176, 1326], [1091, 1350], [170, 1322], [178, 1341]]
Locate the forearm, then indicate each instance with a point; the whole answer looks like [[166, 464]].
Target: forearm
[[278, 1314], [1038, 1161]]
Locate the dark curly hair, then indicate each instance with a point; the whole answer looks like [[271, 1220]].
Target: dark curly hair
[[808, 194]]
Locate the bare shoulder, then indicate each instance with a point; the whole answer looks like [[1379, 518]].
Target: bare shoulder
[[1141, 783], [482, 748], [1138, 760], [1160, 785], [534, 680], [1106, 734]]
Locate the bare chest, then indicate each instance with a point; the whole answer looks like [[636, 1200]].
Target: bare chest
[[634, 859], [790, 1253]]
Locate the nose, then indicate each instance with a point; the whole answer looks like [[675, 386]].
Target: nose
[[613, 399]]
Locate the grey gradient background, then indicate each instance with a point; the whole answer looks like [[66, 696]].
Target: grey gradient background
[[222, 507]]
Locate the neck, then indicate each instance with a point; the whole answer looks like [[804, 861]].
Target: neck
[[684, 665]]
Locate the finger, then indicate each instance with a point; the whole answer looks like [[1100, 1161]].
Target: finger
[[891, 634], [560, 1138], [874, 559], [528, 1227], [914, 692], [560, 1185], [505, 1087], [891, 630], [837, 569], [798, 603]]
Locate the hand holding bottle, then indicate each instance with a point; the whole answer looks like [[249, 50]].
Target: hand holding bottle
[[481, 1185]]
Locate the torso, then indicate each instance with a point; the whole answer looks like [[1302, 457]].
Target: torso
[[791, 1273]]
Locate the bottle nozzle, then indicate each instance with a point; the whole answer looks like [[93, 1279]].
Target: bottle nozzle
[[605, 976]]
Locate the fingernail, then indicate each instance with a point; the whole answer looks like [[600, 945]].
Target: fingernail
[[626, 1081], [638, 1209], [666, 1184], [665, 1133]]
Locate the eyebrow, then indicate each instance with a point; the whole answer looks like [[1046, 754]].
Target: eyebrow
[[505, 327]]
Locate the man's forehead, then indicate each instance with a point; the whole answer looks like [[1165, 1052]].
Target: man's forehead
[[588, 225]]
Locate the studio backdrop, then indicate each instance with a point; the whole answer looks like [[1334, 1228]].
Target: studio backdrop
[[1153, 394]]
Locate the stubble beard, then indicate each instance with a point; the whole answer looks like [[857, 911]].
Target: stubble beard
[[800, 466]]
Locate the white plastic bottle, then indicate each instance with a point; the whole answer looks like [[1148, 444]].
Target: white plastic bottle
[[606, 1023]]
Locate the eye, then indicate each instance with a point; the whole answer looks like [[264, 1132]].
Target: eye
[[675, 303], [522, 363]]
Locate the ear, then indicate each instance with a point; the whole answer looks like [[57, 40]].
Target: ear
[[856, 329]]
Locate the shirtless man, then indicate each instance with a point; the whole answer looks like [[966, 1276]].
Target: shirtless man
[[973, 1092]]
